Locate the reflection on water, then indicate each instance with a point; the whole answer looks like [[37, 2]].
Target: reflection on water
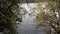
[[27, 26], [31, 32], [28, 23]]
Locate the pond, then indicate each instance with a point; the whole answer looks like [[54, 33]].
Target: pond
[[28, 24]]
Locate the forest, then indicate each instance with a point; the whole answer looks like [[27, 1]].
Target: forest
[[46, 15]]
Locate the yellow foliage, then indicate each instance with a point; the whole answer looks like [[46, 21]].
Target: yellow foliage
[[40, 24]]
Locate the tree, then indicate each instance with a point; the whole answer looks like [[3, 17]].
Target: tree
[[8, 16], [51, 17]]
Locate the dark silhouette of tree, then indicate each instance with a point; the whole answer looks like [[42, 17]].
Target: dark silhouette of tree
[[8, 16]]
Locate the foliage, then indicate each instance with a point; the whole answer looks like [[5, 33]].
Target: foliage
[[50, 17], [8, 16], [47, 14]]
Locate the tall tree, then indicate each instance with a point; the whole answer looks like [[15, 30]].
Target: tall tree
[[8, 16], [50, 18]]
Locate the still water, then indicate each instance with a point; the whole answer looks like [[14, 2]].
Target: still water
[[27, 26]]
